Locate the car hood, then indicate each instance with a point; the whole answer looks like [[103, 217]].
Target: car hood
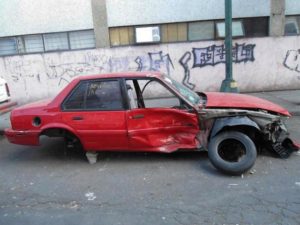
[[241, 101]]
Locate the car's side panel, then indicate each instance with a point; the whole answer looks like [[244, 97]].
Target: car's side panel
[[161, 129], [220, 123], [99, 130]]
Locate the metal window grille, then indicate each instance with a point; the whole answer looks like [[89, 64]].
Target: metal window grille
[[8, 46], [33, 43], [82, 39], [56, 41]]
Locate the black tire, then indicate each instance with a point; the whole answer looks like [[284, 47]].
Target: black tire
[[232, 152], [72, 143]]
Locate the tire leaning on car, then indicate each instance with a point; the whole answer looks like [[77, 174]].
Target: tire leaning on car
[[232, 152]]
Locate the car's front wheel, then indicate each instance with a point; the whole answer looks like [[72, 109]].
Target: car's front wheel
[[232, 152]]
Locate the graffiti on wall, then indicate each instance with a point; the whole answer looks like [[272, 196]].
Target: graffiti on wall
[[155, 61], [60, 68], [292, 60], [187, 73], [215, 54], [89, 63], [212, 56]]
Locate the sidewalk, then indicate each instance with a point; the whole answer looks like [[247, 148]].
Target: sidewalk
[[287, 99]]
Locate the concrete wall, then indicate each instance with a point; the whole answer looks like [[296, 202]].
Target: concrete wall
[[277, 18], [100, 23], [20, 17], [133, 12], [260, 64], [292, 7], [137, 12]]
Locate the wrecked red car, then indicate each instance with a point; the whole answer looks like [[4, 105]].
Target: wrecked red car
[[151, 112]]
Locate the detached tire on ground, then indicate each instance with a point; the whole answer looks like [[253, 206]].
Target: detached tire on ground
[[232, 152]]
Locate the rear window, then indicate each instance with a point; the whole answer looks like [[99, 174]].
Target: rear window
[[95, 95]]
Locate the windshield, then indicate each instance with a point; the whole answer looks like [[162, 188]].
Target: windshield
[[188, 94]]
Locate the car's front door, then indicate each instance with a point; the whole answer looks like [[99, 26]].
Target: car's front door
[[158, 119], [95, 110]]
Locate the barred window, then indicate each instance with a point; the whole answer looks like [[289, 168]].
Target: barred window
[[8, 46], [56, 41], [82, 39], [33, 43]]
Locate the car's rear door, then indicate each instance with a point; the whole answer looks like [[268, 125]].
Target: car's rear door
[[95, 110]]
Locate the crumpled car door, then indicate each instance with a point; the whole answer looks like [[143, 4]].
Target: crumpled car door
[[161, 129]]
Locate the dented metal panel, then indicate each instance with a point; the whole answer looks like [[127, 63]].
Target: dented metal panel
[[272, 130], [220, 123], [161, 129]]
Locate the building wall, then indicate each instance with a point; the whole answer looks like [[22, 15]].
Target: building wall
[[19, 17], [133, 12], [292, 7], [261, 64], [136, 12]]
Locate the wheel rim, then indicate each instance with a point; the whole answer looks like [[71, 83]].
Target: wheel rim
[[231, 150]]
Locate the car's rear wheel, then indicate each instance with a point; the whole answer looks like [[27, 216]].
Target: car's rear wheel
[[72, 143], [232, 152]]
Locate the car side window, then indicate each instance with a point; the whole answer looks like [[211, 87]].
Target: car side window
[[76, 100], [104, 95], [150, 93], [95, 95], [156, 95]]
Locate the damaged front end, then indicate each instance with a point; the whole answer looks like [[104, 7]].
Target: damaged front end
[[276, 137], [267, 129]]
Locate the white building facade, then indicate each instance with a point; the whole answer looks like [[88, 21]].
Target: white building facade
[[44, 44]]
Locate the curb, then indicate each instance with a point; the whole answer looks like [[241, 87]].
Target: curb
[[295, 113]]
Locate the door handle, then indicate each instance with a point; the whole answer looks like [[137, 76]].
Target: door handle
[[77, 118], [138, 116], [188, 124]]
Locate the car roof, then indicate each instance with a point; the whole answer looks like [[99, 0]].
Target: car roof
[[120, 75]]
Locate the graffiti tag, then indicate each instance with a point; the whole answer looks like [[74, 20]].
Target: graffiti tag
[[215, 54], [292, 60]]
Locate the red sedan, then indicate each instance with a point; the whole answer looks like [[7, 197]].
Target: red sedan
[[152, 112]]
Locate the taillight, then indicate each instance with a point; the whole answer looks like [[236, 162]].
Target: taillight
[[7, 90]]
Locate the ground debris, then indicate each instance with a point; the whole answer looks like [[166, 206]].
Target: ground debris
[[90, 196], [233, 184]]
